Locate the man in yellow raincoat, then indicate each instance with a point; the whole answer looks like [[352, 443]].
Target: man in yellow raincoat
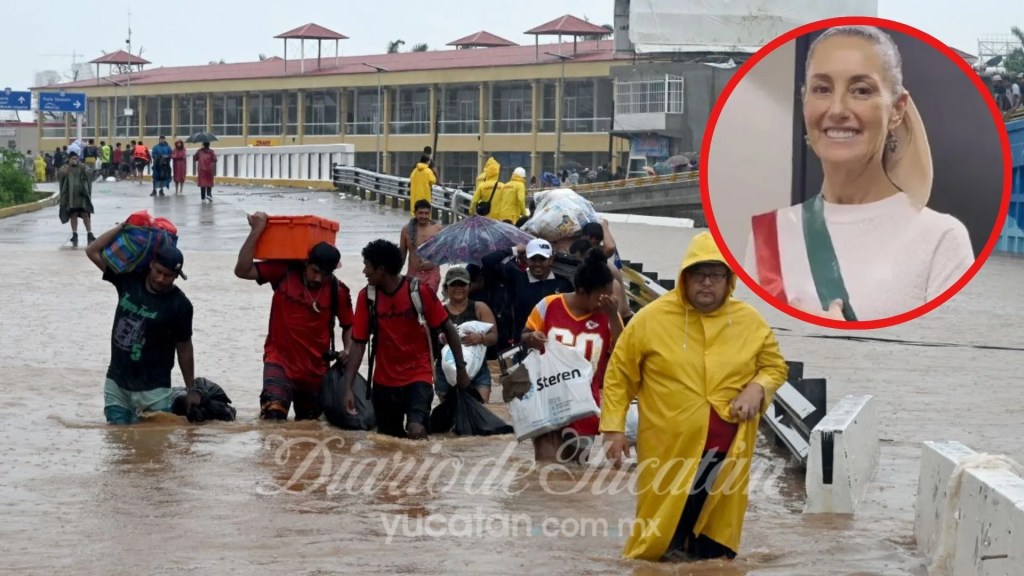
[[704, 367], [509, 203], [487, 185], [421, 182]]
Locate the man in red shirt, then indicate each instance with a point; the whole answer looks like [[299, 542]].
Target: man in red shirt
[[403, 371], [298, 338]]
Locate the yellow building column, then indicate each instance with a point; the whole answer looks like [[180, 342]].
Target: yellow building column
[[386, 119], [485, 99], [111, 124], [175, 130], [537, 99], [300, 116]]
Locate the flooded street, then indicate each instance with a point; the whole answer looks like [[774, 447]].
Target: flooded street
[[167, 497]]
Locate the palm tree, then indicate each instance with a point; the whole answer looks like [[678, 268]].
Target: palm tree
[[420, 47], [395, 45], [1014, 61]]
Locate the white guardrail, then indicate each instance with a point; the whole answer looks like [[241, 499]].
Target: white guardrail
[[306, 162], [452, 201]]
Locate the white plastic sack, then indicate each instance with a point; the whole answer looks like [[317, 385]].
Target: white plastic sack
[[559, 392], [632, 422], [474, 356], [543, 198], [560, 214]]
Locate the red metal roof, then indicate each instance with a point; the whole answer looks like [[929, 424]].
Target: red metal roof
[[312, 31], [120, 57], [567, 25], [484, 39], [599, 51], [964, 55]]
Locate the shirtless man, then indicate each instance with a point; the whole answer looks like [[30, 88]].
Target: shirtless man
[[415, 234]]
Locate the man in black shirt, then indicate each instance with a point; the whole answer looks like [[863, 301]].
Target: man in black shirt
[[153, 322], [524, 288]]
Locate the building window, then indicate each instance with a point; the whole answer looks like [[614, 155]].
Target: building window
[[363, 115], [88, 120], [460, 112], [511, 108], [158, 116], [411, 114], [662, 96], [127, 123], [103, 128], [579, 108], [228, 114], [321, 113], [191, 114], [265, 114], [458, 169]]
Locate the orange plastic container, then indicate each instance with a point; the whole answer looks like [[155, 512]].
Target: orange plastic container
[[291, 237]]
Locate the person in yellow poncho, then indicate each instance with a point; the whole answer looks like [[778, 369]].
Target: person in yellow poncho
[[704, 367], [509, 203], [40, 166], [486, 185], [421, 182]]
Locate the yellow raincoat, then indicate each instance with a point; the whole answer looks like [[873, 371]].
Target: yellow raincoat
[[681, 364], [420, 182], [485, 184], [510, 200], [40, 166]]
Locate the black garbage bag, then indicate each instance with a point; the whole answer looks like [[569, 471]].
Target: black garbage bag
[[214, 405], [332, 399], [464, 411]]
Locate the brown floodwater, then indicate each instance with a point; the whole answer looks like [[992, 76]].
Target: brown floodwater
[[167, 497]]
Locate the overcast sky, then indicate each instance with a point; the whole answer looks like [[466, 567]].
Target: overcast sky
[[43, 36]]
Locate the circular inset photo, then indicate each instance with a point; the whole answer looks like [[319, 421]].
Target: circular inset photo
[[857, 173]]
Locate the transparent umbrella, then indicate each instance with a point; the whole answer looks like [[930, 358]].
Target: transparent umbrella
[[468, 241]]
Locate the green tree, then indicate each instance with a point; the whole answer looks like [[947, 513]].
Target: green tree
[[395, 46], [1014, 61], [420, 47], [15, 183]]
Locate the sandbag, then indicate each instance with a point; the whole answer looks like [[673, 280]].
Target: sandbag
[[559, 392], [473, 356], [464, 411], [332, 399], [213, 405], [560, 214]]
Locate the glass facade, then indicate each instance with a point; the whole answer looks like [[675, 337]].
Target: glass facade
[[292, 120], [191, 114], [228, 114], [158, 116], [322, 113], [511, 104], [362, 113], [457, 168], [265, 114], [588, 106], [127, 126], [410, 113], [460, 110]]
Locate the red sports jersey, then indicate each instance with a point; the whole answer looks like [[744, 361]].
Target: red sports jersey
[[591, 335], [403, 354], [297, 336]]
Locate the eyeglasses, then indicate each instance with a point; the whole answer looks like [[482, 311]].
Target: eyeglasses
[[715, 277]]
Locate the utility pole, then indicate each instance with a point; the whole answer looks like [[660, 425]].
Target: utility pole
[[128, 111], [560, 104], [379, 114]]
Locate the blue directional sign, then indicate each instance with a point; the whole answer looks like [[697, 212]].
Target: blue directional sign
[[12, 100], [61, 102]]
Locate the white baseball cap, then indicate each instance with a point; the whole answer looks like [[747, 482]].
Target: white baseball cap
[[538, 247]]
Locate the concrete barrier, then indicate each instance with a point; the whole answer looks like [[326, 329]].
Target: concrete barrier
[[843, 457], [969, 513], [291, 166], [52, 200]]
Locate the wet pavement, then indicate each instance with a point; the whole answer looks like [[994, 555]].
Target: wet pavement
[[167, 497]]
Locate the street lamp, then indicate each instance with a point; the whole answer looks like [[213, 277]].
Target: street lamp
[[377, 115], [561, 109], [114, 111]]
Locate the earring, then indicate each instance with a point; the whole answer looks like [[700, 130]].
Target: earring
[[807, 140], [891, 143]]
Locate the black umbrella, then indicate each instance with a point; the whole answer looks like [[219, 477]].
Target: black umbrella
[[200, 137]]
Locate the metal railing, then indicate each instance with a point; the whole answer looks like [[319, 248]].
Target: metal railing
[[584, 189]]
